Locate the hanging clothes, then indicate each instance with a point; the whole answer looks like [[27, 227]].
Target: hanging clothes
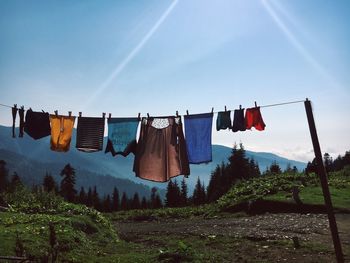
[[37, 124], [238, 121], [223, 120], [198, 137], [90, 131], [21, 121], [61, 132], [254, 119], [161, 150], [121, 135], [14, 113]]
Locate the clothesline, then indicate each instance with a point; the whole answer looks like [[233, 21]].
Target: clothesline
[[262, 106]]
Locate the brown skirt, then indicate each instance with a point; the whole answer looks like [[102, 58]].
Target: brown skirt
[[161, 151]]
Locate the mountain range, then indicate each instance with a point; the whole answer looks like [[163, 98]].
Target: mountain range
[[31, 159]]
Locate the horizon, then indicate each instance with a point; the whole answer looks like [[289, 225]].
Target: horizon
[[160, 57]]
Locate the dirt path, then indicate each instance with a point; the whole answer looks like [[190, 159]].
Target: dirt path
[[310, 229]]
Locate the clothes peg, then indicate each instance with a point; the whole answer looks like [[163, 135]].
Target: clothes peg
[[240, 107], [187, 112], [15, 106], [80, 113], [22, 107], [103, 114], [109, 115], [177, 114], [69, 113], [225, 108], [255, 104], [147, 115], [56, 112], [139, 116], [212, 109]]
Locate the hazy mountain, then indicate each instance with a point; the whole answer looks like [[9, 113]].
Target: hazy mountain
[[119, 167]]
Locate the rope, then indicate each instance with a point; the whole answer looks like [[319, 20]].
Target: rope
[[262, 106]]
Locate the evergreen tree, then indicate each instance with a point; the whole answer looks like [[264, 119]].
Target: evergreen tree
[[144, 203], [107, 204], [96, 203], [15, 182], [49, 183], [124, 202], [68, 182], [3, 176], [115, 202], [214, 189], [328, 162], [275, 168], [238, 167], [254, 170], [136, 202], [89, 200], [173, 195], [198, 196], [157, 202], [82, 199], [184, 192]]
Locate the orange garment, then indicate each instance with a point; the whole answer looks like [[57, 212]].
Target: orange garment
[[61, 132]]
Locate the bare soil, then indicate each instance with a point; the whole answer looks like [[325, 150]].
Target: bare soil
[[259, 238]]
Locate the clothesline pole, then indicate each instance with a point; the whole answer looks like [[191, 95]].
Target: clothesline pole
[[324, 182]]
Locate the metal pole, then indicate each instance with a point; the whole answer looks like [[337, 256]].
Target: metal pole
[[324, 182]]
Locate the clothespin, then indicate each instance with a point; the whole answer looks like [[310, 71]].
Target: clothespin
[[240, 106], [177, 114], [56, 112], [103, 114], [225, 108], [147, 115], [15, 106], [80, 113], [187, 112], [255, 104], [69, 113], [109, 115], [139, 116], [212, 109]]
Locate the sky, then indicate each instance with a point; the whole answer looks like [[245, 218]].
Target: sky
[[161, 56]]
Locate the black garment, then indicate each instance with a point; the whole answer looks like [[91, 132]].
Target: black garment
[[223, 121], [14, 113], [238, 121], [21, 121], [37, 124], [90, 131]]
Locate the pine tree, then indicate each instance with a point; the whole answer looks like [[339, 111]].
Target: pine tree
[[184, 192], [198, 193], [136, 202], [3, 176], [238, 166], [144, 204], [49, 183], [68, 182], [89, 201], [96, 203], [157, 202], [115, 200], [107, 204], [82, 199], [214, 189], [275, 168], [169, 194], [15, 182], [124, 202]]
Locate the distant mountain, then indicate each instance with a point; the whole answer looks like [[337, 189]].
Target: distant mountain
[[32, 172], [119, 167]]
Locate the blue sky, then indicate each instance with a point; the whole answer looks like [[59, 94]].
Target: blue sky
[[157, 57]]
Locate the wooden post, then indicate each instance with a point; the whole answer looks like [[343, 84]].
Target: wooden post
[[324, 182]]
